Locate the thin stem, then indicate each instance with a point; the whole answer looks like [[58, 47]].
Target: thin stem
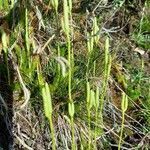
[[73, 132], [96, 122], [89, 126], [70, 72], [26, 31], [121, 132], [52, 133]]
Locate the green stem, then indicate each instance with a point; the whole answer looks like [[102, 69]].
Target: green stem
[[89, 126], [73, 132], [95, 134], [121, 132], [88, 63], [70, 57], [27, 40], [70, 73], [52, 133], [26, 31]]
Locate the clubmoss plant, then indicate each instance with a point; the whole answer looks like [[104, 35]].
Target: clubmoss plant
[[66, 28], [107, 69], [95, 31], [92, 97], [46, 68], [47, 101], [67, 7], [124, 106]]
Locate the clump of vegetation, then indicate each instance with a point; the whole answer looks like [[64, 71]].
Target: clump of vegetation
[[77, 74]]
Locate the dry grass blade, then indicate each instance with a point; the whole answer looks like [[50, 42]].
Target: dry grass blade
[[25, 90], [48, 41]]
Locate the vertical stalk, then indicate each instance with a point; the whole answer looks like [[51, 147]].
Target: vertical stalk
[[70, 72], [73, 132], [67, 8], [69, 90], [89, 128], [53, 133], [121, 132], [88, 99], [27, 43], [107, 69], [96, 114], [26, 31], [95, 134], [124, 106]]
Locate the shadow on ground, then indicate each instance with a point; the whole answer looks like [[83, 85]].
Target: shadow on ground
[[6, 104]]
